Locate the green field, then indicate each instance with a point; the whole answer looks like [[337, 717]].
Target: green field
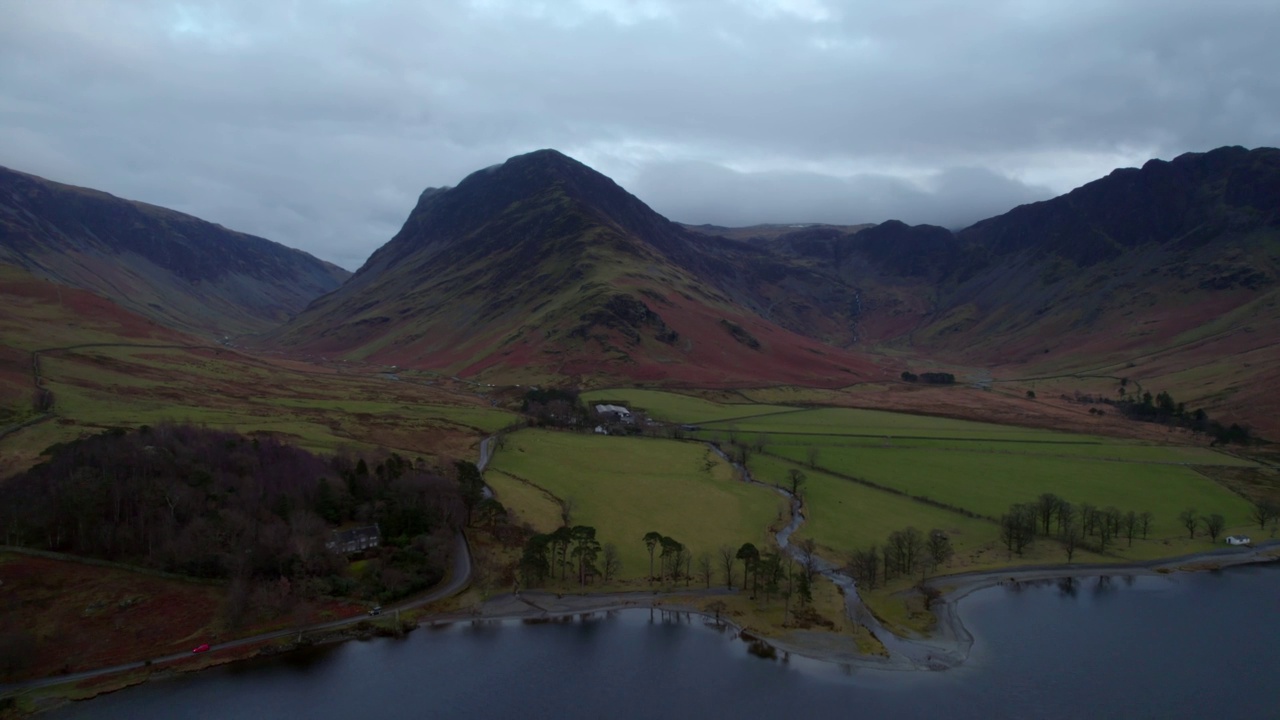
[[987, 483], [828, 422], [673, 407], [843, 515], [625, 487]]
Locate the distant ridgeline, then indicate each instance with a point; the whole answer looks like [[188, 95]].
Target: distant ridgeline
[[255, 511]]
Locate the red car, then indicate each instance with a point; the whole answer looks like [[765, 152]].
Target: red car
[[203, 647]]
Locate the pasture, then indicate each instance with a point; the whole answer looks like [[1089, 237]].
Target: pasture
[[626, 487]]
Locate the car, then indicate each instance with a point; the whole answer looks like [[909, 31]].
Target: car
[[202, 647], [376, 610]]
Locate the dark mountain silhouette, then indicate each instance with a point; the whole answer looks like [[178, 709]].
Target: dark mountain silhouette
[[176, 269]]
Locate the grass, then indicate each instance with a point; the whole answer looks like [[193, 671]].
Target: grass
[[829, 422], [988, 483], [674, 407], [525, 503], [843, 516], [321, 410], [626, 487]]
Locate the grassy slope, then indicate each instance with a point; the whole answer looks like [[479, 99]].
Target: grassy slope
[[625, 487]]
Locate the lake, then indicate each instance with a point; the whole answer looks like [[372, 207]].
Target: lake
[[1186, 645]]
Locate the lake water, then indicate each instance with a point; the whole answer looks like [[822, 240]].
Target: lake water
[[1183, 646]]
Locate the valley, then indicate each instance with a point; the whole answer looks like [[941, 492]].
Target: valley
[[1051, 387]]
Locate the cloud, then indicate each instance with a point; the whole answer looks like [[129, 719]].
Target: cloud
[[317, 124], [707, 193]]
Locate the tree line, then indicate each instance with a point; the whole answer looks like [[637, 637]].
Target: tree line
[[255, 511], [904, 553], [1050, 516]]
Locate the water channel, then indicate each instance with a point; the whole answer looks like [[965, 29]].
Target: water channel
[[1187, 645]]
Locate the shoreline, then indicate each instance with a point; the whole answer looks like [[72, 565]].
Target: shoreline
[[947, 647]]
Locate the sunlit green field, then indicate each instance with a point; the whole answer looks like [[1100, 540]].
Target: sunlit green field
[[626, 487]]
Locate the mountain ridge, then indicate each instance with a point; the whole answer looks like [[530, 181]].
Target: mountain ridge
[[175, 268]]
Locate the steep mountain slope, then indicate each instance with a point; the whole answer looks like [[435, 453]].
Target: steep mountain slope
[[176, 269], [1167, 273], [541, 266]]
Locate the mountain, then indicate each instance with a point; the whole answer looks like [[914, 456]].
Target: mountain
[[543, 267], [1166, 272], [176, 269]]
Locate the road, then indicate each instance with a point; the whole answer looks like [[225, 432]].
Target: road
[[458, 580]]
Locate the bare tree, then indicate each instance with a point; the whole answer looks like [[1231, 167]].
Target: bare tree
[[1189, 520], [1213, 525], [1263, 511], [567, 507], [761, 442], [1070, 538], [704, 568], [1046, 508], [808, 557], [1130, 522], [612, 561], [864, 565], [727, 560], [796, 479], [938, 547], [1145, 521], [812, 456]]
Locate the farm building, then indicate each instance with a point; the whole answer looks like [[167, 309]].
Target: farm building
[[1238, 540], [613, 413], [354, 540]]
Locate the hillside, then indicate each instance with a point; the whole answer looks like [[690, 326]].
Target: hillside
[[178, 270], [542, 267], [1166, 274]]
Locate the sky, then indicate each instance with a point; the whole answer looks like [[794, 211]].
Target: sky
[[317, 123]]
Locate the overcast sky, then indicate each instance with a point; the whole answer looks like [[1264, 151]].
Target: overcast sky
[[316, 123]]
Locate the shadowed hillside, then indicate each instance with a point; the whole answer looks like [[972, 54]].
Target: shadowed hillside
[[176, 269]]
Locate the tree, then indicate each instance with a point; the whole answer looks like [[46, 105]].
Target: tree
[[1189, 521], [1031, 394], [651, 540], [938, 547], [1130, 525], [809, 556], [1070, 538], [672, 556], [796, 480], [1263, 511], [1213, 525], [727, 559], [1066, 516], [864, 565], [612, 562], [812, 455], [586, 549], [749, 556], [470, 483], [1047, 507], [1145, 521], [704, 568]]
